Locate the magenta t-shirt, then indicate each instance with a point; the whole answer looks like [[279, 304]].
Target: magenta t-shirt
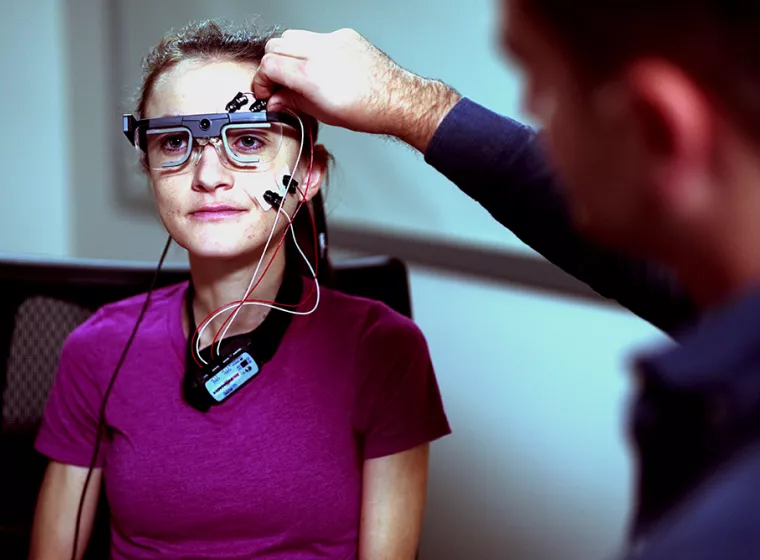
[[273, 473]]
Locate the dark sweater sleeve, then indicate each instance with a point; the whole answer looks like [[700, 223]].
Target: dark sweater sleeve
[[499, 163]]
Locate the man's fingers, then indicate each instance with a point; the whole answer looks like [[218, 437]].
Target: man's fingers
[[278, 70], [286, 48], [294, 42], [283, 99], [263, 86]]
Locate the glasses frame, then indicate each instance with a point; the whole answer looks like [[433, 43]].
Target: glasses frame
[[202, 128]]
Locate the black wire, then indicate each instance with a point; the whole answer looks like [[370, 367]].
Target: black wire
[[101, 421]]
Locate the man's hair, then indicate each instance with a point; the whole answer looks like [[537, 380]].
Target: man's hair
[[716, 42]]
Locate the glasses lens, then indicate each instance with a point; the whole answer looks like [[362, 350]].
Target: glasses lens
[[167, 147], [252, 144]]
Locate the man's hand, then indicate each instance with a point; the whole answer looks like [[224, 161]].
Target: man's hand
[[343, 80]]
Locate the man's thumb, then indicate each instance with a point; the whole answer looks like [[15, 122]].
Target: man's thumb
[[284, 99]]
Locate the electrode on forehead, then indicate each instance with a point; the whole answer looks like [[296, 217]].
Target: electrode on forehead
[[237, 102], [259, 105], [241, 99]]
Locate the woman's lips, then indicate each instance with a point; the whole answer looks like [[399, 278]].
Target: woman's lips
[[216, 213]]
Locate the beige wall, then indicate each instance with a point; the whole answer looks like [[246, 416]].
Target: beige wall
[[34, 144]]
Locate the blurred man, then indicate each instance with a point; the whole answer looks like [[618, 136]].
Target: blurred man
[[651, 112]]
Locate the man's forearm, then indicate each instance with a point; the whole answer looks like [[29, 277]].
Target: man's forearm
[[419, 105]]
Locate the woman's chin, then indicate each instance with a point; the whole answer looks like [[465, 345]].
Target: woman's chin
[[221, 252]]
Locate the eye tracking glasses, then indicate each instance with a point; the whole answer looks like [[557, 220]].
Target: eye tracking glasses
[[246, 139]]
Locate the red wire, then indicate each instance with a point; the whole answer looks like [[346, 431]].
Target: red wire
[[282, 239], [302, 302]]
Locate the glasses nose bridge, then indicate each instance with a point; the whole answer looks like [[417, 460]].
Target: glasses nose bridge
[[201, 143]]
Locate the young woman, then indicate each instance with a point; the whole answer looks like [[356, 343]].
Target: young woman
[[324, 454]]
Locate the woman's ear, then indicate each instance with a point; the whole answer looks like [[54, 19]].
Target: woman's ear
[[314, 178]]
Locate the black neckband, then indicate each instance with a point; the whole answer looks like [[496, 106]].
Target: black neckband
[[261, 343]]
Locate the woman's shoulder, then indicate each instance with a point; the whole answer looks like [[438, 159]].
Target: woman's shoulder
[[371, 319], [114, 322]]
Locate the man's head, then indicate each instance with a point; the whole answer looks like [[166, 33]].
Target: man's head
[[651, 109]]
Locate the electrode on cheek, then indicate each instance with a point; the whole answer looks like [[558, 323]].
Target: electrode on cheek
[[261, 200], [279, 180], [274, 197], [288, 183]]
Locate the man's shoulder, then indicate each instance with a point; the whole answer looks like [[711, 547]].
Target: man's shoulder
[[719, 520]]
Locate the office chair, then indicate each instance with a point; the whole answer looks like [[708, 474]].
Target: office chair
[[42, 302]]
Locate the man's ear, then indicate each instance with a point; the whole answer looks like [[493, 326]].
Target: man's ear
[[312, 179], [674, 130]]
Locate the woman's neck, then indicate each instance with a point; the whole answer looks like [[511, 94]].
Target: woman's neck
[[218, 283]]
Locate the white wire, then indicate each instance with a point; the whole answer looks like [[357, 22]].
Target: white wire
[[263, 253], [262, 304], [245, 296]]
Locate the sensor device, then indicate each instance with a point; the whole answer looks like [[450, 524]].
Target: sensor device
[[233, 372], [219, 380]]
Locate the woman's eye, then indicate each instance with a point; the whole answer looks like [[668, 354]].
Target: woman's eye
[[249, 143], [173, 143]]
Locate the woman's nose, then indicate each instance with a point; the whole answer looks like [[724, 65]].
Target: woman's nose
[[210, 171]]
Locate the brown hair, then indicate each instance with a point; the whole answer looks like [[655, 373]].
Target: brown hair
[[715, 41], [206, 40], [211, 40]]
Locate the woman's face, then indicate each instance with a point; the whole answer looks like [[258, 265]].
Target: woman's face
[[210, 207]]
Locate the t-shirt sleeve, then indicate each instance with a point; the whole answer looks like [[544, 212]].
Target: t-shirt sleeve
[[70, 419], [399, 403]]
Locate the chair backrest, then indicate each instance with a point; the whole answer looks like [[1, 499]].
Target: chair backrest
[[43, 301]]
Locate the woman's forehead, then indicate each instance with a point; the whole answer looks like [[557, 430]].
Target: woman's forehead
[[195, 87]]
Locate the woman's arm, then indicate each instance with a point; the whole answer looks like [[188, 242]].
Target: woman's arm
[[398, 414], [56, 514], [393, 503]]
